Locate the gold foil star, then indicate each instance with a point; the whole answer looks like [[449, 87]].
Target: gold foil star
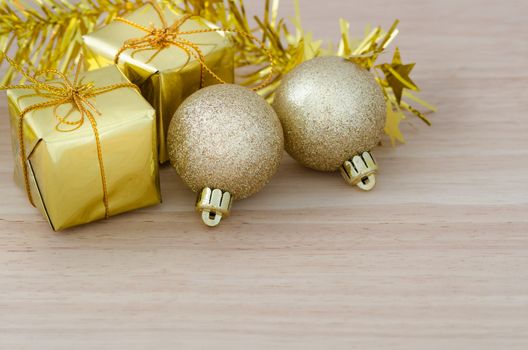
[[392, 124], [397, 76]]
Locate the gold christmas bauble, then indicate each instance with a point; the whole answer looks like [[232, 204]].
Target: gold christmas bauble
[[225, 139], [331, 110]]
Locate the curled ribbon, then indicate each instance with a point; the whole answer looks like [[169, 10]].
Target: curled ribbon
[[58, 93], [170, 35]]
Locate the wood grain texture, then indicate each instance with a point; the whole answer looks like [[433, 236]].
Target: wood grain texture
[[435, 257]]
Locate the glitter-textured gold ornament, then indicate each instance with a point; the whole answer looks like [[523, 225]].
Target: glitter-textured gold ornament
[[333, 113], [226, 143]]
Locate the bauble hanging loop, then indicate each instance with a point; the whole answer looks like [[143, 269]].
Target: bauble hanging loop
[[360, 171], [333, 113], [213, 205]]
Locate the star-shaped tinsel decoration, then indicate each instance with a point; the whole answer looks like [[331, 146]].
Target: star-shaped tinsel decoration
[[397, 76], [392, 124]]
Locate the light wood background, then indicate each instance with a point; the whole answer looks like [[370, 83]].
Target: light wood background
[[436, 257]]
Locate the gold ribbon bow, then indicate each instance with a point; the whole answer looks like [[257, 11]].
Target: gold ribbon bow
[[170, 35], [58, 93]]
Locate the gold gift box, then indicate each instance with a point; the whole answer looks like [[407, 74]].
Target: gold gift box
[[63, 167], [166, 78]]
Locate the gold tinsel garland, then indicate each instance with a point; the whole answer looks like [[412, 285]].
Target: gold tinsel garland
[[46, 34]]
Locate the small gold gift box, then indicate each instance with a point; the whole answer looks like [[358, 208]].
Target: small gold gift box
[[167, 68], [78, 166]]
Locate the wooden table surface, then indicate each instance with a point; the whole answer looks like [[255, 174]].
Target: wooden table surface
[[436, 257]]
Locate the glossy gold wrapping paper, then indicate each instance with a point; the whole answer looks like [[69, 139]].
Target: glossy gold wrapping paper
[[64, 173], [168, 78]]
